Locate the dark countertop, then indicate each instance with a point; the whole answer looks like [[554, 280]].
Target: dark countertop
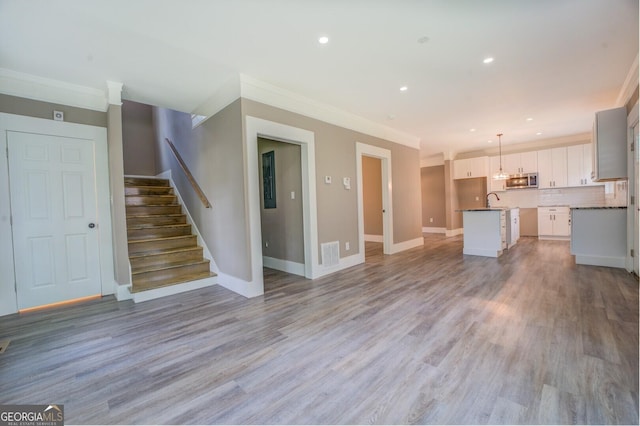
[[599, 208], [485, 209]]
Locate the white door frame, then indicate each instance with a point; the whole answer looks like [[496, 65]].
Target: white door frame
[[18, 123], [257, 127], [364, 150], [632, 190]]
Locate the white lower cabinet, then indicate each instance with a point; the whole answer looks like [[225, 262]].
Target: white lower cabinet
[[554, 223]]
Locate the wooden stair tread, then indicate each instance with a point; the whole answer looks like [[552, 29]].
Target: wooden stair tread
[[150, 285], [168, 266], [164, 238], [165, 252], [151, 226]]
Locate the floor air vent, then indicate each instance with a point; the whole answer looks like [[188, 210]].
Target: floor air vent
[[330, 253]]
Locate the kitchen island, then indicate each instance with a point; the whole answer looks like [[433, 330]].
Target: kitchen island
[[599, 236], [485, 231]]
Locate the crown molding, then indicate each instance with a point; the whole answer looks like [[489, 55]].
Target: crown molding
[[48, 90], [259, 91], [629, 85]]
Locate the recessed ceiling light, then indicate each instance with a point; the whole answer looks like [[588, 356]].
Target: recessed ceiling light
[[391, 117], [472, 130], [538, 134], [488, 60], [489, 141], [529, 119], [404, 88], [423, 39], [323, 40]]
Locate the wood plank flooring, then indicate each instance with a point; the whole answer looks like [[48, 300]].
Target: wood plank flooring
[[426, 336]]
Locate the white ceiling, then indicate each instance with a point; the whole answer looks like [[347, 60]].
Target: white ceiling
[[556, 61]]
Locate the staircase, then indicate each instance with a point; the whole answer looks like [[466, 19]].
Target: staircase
[[163, 251]]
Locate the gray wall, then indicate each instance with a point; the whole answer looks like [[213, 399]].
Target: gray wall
[[471, 193], [214, 153], [39, 109], [372, 195], [433, 197], [116, 183], [282, 227], [335, 153], [138, 139]]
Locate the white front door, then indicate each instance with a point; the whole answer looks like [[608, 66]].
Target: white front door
[[52, 184]]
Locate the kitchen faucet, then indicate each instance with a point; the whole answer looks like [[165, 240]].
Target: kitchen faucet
[[497, 199]]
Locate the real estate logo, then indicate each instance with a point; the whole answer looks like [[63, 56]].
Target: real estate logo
[[32, 415]]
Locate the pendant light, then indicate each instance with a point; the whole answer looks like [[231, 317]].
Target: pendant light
[[500, 175]]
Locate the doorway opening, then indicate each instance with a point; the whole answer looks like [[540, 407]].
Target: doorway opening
[[372, 206], [281, 209], [375, 213]]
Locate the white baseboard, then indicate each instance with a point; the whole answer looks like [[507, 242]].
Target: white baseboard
[[374, 238], [157, 293], [553, 238], [344, 263], [122, 292], [433, 230], [244, 288], [612, 262], [283, 265], [406, 245], [482, 252], [454, 232]]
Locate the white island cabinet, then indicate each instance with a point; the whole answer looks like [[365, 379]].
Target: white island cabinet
[[485, 232], [599, 236]]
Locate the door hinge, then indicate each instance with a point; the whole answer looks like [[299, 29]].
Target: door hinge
[[633, 146], [632, 200], [632, 253]]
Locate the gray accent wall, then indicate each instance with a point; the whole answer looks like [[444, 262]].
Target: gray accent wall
[[282, 228]]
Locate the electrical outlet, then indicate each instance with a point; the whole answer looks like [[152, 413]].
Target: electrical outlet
[[293, 195], [431, 220], [346, 245], [327, 180], [477, 198]]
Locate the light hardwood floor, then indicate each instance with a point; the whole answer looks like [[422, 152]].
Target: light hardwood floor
[[426, 336]]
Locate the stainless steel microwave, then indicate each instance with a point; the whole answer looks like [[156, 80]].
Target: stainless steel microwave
[[522, 181]]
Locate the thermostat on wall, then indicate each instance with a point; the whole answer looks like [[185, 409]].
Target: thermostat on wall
[[58, 115]]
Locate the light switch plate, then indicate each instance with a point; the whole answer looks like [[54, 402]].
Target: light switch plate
[[327, 179]]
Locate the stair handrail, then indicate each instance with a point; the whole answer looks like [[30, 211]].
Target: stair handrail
[[187, 172]]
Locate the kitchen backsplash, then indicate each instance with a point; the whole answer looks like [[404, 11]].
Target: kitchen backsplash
[[611, 194]]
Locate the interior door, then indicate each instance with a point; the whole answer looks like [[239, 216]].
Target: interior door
[[53, 199]]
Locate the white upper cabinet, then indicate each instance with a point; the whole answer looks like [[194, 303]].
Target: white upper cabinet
[[470, 168], [494, 166], [579, 166], [610, 144], [552, 168], [524, 162]]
